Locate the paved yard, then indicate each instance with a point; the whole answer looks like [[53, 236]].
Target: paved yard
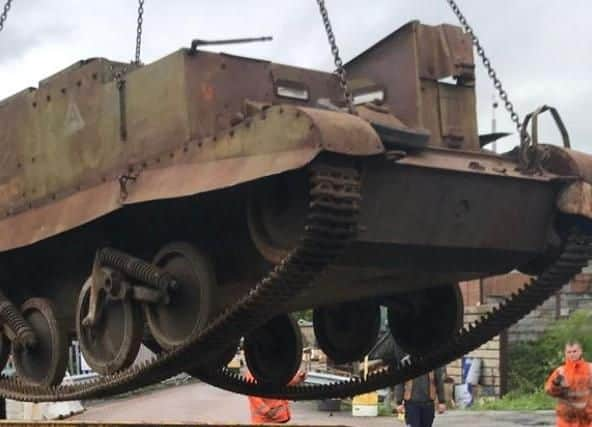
[[200, 403]]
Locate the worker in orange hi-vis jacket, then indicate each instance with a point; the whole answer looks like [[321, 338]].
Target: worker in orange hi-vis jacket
[[571, 384], [271, 411]]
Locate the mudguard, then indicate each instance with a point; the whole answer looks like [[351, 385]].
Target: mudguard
[[279, 139]]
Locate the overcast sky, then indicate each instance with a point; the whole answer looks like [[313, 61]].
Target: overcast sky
[[542, 49]]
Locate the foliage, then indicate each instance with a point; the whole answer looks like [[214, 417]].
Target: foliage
[[304, 315], [531, 363], [384, 410], [517, 401]]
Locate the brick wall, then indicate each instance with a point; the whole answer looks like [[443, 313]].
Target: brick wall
[[535, 323], [574, 296], [477, 292]]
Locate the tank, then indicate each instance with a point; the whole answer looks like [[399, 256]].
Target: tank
[[195, 202]]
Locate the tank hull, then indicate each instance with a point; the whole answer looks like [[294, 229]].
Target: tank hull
[[207, 205]]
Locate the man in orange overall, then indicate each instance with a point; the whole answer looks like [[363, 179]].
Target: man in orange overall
[[271, 411], [571, 384]]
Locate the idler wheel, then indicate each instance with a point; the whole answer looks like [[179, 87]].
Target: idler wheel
[[113, 342], [273, 352], [191, 302], [43, 363], [425, 320], [346, 332]]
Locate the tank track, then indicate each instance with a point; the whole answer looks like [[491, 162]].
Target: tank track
[[334, 191], [334, 200], [576, 254]]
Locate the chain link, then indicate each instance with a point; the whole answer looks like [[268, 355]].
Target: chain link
[[497, 84], [4, 13], [139, 30], [340, 70]]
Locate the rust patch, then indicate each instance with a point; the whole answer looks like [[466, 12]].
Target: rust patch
[[576, 199], [207, 92]]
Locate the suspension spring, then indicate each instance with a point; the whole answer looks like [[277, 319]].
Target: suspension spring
[[13, 318], [136, 269]]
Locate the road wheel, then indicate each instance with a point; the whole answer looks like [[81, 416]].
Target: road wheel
[[43, 363], [346, 332], [113, 342], [273, 352]]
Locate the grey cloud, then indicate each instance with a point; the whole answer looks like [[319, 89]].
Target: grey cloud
[[16, 44], [540, 48]]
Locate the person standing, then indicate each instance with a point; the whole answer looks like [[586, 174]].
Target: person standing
[[271, 411], [416, 398], [571, 385]]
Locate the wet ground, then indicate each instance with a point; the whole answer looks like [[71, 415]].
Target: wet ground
[[200, 403]]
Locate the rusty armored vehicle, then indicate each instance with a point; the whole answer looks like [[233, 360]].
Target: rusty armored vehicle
[[202, 198]]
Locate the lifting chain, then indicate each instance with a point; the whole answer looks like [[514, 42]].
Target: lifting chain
[[340, 71], [525, 139], [4, 13], [139, 30]]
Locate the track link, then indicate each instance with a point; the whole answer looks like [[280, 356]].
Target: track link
[[334, 192], [576, 254], [331, 225]]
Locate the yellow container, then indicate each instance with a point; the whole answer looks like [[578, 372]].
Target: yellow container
[[366, 399], [365, 405]]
